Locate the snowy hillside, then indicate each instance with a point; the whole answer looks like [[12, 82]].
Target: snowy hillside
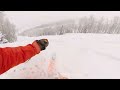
[[78, 56], [51, 28]]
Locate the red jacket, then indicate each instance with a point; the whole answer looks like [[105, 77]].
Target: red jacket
[[13, 56]]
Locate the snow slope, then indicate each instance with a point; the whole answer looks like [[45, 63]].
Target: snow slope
[[76, 56]]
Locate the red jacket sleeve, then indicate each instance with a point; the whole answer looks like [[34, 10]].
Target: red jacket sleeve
[[13, 56]]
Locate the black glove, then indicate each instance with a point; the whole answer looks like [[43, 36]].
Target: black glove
[[43, 43]]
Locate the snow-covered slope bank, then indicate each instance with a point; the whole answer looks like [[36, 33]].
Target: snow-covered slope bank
[[72, 55]]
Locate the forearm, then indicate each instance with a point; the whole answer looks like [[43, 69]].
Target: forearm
[[14, 56]]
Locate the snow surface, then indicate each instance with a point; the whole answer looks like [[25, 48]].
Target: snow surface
[[76, 56]]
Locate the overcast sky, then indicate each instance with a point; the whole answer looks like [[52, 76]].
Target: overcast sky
[[27, 19]]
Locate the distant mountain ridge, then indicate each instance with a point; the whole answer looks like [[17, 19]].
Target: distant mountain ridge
[[47, 28]]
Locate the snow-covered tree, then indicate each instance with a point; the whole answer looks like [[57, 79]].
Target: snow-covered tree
[[2, 39], [7, 28]]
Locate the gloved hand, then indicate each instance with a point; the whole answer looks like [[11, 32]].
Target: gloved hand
[[43, 43]]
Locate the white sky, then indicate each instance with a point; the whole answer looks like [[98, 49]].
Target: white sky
[[27, 19]]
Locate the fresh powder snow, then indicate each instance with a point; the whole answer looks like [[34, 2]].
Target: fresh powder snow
[[75, 56]]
